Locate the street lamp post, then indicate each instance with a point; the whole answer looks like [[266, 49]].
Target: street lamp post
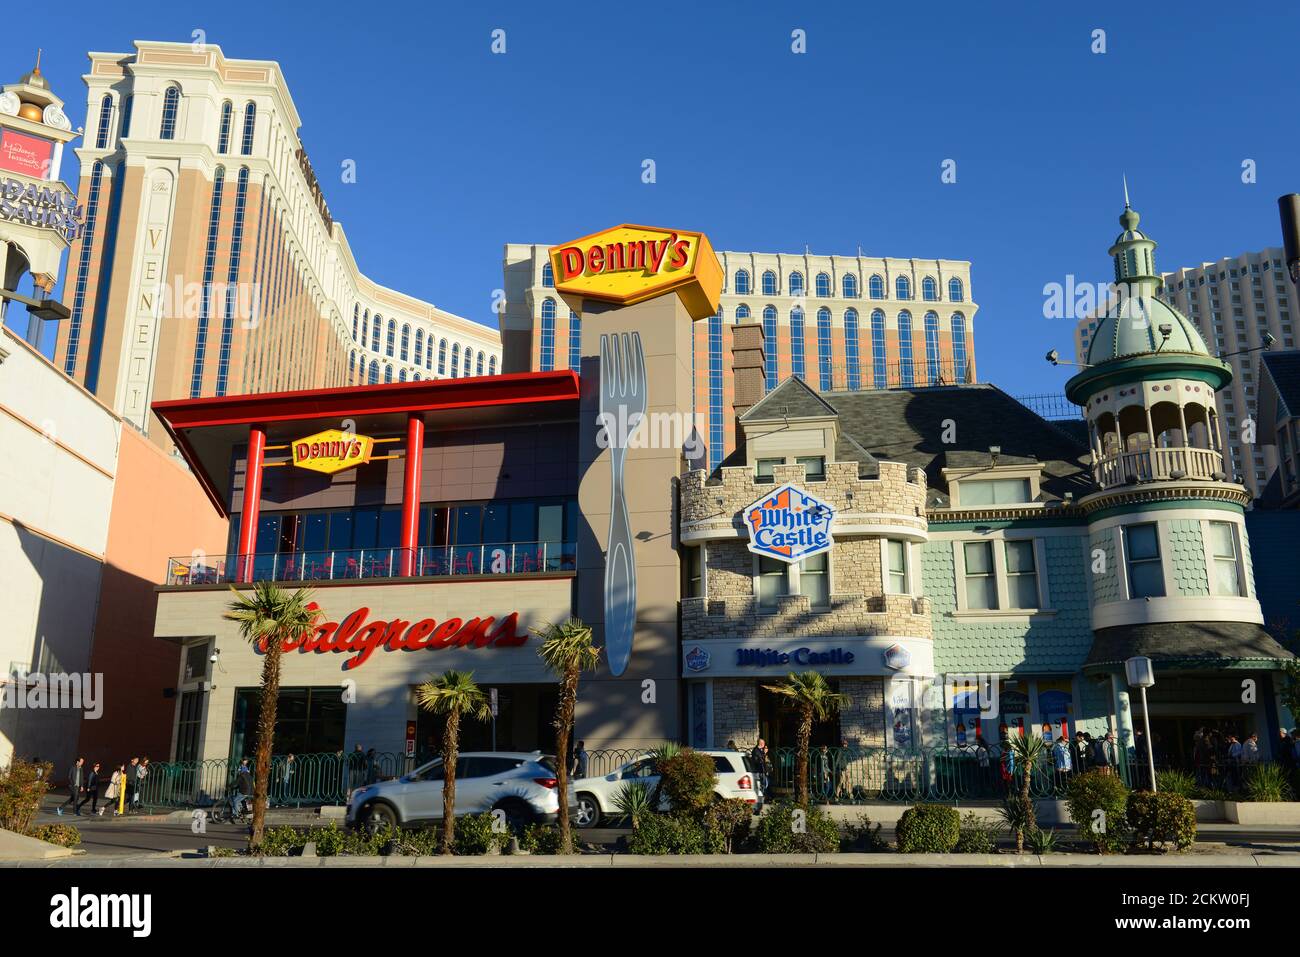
[[1141, 675]]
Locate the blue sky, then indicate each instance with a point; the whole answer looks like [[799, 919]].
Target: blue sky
[[459, 151]]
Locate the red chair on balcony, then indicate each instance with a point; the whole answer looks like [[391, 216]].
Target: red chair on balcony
[[463, 564]]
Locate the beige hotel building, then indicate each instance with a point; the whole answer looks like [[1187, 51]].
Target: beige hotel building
[[210, 264], [840, 323]]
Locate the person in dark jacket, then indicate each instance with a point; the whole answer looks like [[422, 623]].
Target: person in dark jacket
[[1079, 752], [759, 758], [243, 790], [91, 792], [76, 786], [132, 783]]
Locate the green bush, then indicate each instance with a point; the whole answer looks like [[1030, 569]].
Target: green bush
[[1176, 782], [1267, 782], [22, 786], [978, 836], [687, 778], [282, 841], [731, 820], [540, 839], [862, 835], [781, 831], [674, 833], [928, 829], [1093, 792], [330, 840], [1161, 819], [478, 834], [64, 835]]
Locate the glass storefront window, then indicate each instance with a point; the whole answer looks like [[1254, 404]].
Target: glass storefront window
[[308, 721]]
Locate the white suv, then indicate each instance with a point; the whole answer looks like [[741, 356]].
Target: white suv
[[523, 785], [735, 779]]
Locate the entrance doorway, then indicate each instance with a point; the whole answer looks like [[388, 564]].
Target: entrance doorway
[[778, 724], [523, 723], [1176, 745]]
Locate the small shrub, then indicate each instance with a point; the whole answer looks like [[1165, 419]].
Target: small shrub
[[282, 841], [674, 833], [64, 835], [928, 829], [478, 834], [423, 842], [1176, 782], [1097, 791], [978, 836], [731, 820], [1040, 841], [1212, 794], [330, 840], [862, 835], [1161, 819], [688, 778], [783, 831], [540, 839], [632, 800], [22, 786], [223, 852], [1267, 782]]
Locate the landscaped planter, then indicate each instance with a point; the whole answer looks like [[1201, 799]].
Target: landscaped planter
[[1263, 813], [1209, 812]]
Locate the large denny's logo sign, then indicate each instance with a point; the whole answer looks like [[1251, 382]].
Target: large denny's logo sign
[[360, 638], [789, 524], [332, 451], [629, 264]]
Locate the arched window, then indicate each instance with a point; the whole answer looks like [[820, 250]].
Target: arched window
[[209, 265], [401, 375], [492, 366], [428, 353], [850, 285], [769, 283], [902, 288], [406, 341], [876, 287], [455, 361], [352, 367], [356, 319], [742, 312], [373, 377], [419, 347], [171, 107], [742, 282], [879, 368], [769, 346], [905, 349], [391, 341], [575, 342], [442, 357], [960, 372], [796, 342], [796, 284], [929, 289], [250, 124], [223, 134], [375, 332], [478, 364], [415, 377], [105, 117], [933, 367], [824, 377], [955, 291], [852, 362], [388, 373], [468, 366], [546, 347], [823, 285], [548, 275]]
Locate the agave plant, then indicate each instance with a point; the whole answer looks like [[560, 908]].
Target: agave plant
[[1042, 842], [665, 751], [632, 801], [1267, 782], [1176, 782]]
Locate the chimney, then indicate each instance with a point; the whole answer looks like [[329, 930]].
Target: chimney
[[748, 366]]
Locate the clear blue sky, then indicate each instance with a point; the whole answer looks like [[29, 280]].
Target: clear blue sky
[[459, 151]]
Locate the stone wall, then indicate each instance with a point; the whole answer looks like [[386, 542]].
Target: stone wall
[[794, 617], [735, 712], [862, 723]]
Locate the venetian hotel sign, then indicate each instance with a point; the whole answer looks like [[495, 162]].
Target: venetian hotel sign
[[332, 451], [629, 264]]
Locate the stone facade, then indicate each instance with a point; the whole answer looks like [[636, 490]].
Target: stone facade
[[862, 723], [735, 712]]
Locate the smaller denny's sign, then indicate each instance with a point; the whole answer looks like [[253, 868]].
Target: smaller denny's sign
[[629, 264], [332, 451]]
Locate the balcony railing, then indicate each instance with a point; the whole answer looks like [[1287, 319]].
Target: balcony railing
[[1157, 464], [506, 558]]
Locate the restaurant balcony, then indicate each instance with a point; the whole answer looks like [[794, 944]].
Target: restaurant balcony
[[354, 564]]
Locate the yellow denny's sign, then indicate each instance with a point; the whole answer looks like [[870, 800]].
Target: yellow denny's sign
[[629, 264], [332, 451]]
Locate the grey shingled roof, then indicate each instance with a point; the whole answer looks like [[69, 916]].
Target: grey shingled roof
[[1284, 369], [1208, 642], [793, 399]]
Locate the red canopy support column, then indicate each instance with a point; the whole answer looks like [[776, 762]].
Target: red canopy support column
[[250, 512], [411, 492]]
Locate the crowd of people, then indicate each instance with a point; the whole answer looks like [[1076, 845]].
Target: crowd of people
[[121, 796]]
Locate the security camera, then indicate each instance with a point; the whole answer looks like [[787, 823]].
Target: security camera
[[1166, 329], [215, 656], [1054, 357], [1268, 340]]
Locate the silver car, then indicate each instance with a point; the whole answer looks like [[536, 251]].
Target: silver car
[[522, 785]]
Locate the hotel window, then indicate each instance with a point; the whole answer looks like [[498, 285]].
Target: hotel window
[[742, 282], [716, 425], [852, 360], [375, 333], [388, 373], [773, 581], [981, 579], [250, 123], [824, 376], [850, 285], [467, 367], [823, 286], [356, 319], [372, 378], [406, 341], [455, 359], [546, 357], [896, 576], [171, 106], [548, 275], [769, 283], [419, 347], [959, 347], [126, 116], [478, 364], [955, 291], [796, 342], [223, 134], [905, 348], [932, 347], [442, 357], [1223, 555], [694, 571], [1022, 575], [878, 366], [742, 313], [105, 116], [83, 268], [401, 375], [770, 346], [876, 287], [232, 281], [763, 469], [575, 342], [352, 367], [492, 366], [993, 491], [209, 265], [902, 288], [391, 341], [814, 467], [815, 579], [796, 284], [1146, 575], [929, 289], [428, 353]]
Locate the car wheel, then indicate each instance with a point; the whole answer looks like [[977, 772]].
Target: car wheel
[[518, 813], [381, 817], [588, 814]]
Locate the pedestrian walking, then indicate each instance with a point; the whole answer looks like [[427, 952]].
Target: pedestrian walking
[[1079, 752], [76, 785], [141, 773], [1062, 761], [91, 792], [579, 767], [116, 782], [132, 775]]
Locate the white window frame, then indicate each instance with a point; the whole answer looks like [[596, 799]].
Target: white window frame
[[791, 582], [1004, 609], [1162, 542], [908, 560], [702, 551], [1211, 560]]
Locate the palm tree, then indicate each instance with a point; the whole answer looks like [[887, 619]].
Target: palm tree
[[453, 694], [568, 652], [1027, 750], [809, 695], [268, 616]]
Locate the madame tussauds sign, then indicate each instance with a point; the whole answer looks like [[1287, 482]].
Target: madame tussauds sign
[[359, 638]]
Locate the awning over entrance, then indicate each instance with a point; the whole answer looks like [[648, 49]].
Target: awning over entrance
[[1189, 644]]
